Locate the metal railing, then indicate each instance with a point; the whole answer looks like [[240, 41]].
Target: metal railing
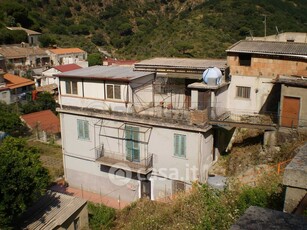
[[146, 162]]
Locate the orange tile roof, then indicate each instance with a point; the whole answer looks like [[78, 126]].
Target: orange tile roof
[[14, 81], [44, 120], [66, 50]]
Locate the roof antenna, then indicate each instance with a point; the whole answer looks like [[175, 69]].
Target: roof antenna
[[251, 34], [264, 24]]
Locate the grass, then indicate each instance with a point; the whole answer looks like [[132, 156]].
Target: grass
[[51, 157]]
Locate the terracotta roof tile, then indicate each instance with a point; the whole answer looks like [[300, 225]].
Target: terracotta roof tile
[[45, 120], [14, 81], [68, 67], [14, 51], [66, 50]]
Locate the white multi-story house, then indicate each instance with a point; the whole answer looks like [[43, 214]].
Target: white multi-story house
[[117, 141], [64, 56]]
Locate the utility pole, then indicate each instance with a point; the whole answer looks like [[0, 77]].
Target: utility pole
[[264, 25]]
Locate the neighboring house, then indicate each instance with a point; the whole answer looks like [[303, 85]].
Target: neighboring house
[[14, 88], [55, 211], [48, 75], [63, 56], [23, 55], [254, 65], [111, 61], [282, 37], [33, 36], [118, 141], [44, 124]]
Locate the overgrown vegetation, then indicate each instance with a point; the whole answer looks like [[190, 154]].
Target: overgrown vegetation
[[142, 29], [202, 208], [100, 216], [22, 179]]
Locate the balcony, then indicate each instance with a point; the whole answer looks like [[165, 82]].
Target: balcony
[[108, 158]]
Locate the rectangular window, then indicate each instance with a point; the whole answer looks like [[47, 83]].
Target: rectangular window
[[179, 145], [243, 92], [178, 186], [132, 143], [245, 59], [83, 130], [113, 91], [71, 87]]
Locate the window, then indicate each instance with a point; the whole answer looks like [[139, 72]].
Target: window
[[179, 145], [113, 91], [83, 130], [132, 143], [245, 59], [243, 92], [178, 186], [71, 87]]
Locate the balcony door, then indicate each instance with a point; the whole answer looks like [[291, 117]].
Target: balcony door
[[132, 143]]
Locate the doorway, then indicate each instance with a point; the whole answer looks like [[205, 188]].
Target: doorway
[[290, 112]]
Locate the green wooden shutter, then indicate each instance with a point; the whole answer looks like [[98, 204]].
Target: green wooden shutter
[[136, 149], [183, 146], [80, 128], [86, 133], [128, 136], [176, 144]]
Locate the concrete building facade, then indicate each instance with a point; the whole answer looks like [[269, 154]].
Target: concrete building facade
[[253, 67], [118, 142]]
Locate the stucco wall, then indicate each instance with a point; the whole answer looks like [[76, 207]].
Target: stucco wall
[[297, 92], [82, 171], [259, 92]]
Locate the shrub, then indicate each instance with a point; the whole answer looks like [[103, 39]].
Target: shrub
[[100, 216]]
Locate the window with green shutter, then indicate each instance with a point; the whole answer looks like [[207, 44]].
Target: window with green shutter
[[132, 143], [83, 129], [179, 145]]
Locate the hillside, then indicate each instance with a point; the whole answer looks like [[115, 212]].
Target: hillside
[[140, 29]]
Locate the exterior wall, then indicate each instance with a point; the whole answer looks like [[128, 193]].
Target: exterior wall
[[63, 59], [81, 215], [260, 90], [82, 171], [33, 39], [219, 100], [298, 92], [91, 94], [268, 67], [5, 96]]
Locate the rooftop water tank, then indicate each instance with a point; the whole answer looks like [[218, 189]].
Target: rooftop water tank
[[212, 76]]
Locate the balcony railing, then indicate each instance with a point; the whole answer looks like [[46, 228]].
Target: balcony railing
[[113, 159]]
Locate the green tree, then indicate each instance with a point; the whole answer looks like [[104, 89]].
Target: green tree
[[94, 59], [9, 120], [44, 101], [46, 40], [22, 179]]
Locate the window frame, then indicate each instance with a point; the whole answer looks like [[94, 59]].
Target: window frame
[[243, 92], [83, 129], [72, 85], [133, 150], [180, 145], [245, 59], [115, 88], [176, 184]]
